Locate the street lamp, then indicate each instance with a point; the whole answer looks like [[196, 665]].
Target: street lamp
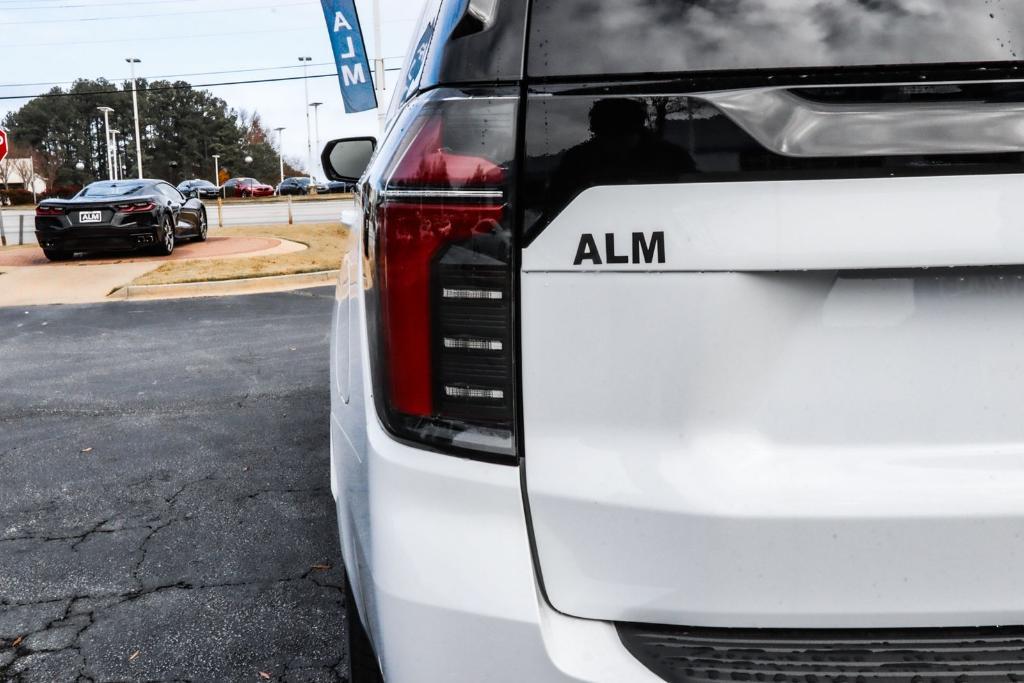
[[107, 111], [117, 157], [280, 148], [135, 105], [316, 123], [80, 166], [248, 160], [309, 135]]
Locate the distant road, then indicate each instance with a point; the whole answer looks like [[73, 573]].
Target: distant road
[[257, 213]]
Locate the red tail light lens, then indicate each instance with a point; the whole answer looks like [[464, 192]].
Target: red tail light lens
[[442, 331], [136, 207], [49, 211]]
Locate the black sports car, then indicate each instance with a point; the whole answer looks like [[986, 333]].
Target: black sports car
[[339, 187], [294, 186], [204, 189], [123, 215]]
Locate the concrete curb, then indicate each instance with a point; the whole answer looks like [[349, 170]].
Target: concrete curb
[[255, 285]]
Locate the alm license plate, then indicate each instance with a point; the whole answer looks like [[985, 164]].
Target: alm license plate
[[90, 216]]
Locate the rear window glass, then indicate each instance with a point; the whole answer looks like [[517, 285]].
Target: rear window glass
[[598, 37], [111, 190]]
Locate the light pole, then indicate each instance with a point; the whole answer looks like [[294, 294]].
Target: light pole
[[220, 190], [117, 159], [135, 105], [32, 175], [309, 135], [106, 127], [316, 123], [280, 148]]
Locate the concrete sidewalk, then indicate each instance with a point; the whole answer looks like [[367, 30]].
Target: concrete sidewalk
[[27, 279], [67, 284]]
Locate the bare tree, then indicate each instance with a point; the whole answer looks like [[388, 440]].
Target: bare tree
[[26, 169], [6, 172]]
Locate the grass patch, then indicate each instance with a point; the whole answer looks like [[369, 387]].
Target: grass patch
[[326, 242]]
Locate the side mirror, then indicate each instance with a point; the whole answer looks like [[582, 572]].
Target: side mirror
[[346, 160]]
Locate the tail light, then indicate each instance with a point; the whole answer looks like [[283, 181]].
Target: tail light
[[49, 211], [136, 207], [442, 297]]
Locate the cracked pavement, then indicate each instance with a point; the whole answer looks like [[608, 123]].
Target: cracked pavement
[[165, 508]]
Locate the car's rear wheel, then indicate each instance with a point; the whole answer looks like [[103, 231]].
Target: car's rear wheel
[[204, 227], [165, 238], [55, 255], [362, 661]]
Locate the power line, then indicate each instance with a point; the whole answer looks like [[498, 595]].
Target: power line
[[248, 8], [154, 78], [156, 38], [165, 88], [39, 8]]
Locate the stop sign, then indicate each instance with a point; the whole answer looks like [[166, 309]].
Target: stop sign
[[3, 144]]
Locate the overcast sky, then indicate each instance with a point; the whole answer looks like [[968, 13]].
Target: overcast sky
[[44, 41]]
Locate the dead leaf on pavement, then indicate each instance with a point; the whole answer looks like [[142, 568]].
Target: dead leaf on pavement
[[87, 450], [321, 567], [17, 641], [134, 655], [264, 675]]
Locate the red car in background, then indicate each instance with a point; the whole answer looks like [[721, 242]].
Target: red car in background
[[247, 187]]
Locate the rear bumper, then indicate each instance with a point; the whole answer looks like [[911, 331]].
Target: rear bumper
[[440, 558], [97, 239]]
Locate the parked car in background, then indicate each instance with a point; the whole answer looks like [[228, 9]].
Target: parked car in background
[[246, 187], [124, 215], [295, 186], [339, 187], [204, 189]]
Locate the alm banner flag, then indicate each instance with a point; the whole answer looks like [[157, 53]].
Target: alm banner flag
[[350, 55]]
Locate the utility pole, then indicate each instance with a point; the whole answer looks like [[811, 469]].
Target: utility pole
[[216, 170], [117, 158], [309, 135], [280, 148], [135, 105], [107, 111]]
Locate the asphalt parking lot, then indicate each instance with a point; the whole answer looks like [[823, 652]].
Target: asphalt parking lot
[[165, 511]]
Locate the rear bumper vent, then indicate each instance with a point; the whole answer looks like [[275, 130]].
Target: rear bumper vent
[[963, 655]]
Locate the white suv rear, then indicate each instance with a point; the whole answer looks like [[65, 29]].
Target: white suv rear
[[683, 341]]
